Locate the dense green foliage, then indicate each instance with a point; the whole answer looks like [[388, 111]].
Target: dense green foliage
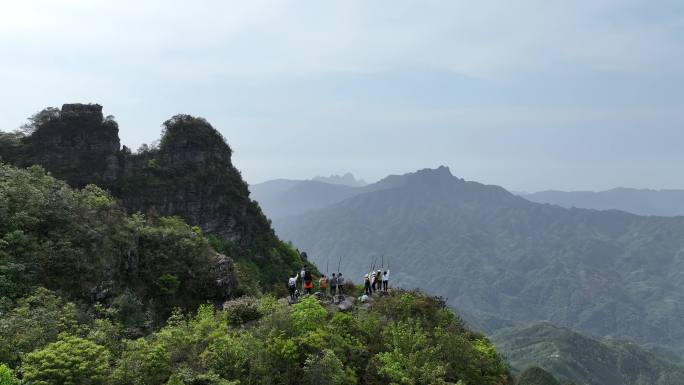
[[572, 356], [405, 338], [81, 244], [7, 376], [69, 361], [502, 260]]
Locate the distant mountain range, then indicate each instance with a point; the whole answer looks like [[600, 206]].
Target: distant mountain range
[[347, 179], [498, 258], [286, 197], [585, 360], [636, 201]]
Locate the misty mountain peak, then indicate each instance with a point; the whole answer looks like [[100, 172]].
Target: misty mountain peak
[[347, 179], [430, 176]]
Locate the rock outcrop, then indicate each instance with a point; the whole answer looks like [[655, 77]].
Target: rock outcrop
[[77, 144], [189, 174]]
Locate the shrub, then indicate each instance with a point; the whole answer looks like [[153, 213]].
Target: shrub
[[327, 369], [7, 376], [36, 321], [307, 315], [242, 310], [70, 360]]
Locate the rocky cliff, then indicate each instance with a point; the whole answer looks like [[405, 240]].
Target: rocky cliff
[[188, 174]]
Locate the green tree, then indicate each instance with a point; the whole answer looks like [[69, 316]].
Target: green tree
[[307, 315], [7, 376], [36, 321], [327, 369], [409, 359], [69, 361], [144, 363]]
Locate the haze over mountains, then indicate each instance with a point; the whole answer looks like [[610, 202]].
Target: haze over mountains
[[502, 259], [636, 201]]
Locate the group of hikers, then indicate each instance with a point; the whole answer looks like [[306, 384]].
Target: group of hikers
[[375, 281], [328, 286]]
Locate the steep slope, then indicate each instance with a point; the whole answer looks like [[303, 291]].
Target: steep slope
[[585, 360], [189, 174], [83, 245], [636, 201], [499, 257]]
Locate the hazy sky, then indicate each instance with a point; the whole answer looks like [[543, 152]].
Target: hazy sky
[[581, 94]]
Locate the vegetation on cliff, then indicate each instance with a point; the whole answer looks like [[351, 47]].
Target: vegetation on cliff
[[81, 244], [189, 174], [404, 338]]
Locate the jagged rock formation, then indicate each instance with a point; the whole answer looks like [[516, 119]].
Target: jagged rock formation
[[189, 174], [75, 143]]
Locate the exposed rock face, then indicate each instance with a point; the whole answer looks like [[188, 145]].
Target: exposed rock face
[[75, 143], [189, 175]]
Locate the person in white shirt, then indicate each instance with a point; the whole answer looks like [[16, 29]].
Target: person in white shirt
[[292, 285], [385, 280]]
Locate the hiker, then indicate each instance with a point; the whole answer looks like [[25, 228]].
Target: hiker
[[308, 282], [323, 284], [385, 280], [340, 283], [378, 280], [366, 285], [333, 285], [308, 285], [303, 274], [292, 285]]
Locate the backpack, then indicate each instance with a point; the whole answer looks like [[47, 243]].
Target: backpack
[[291, 283]]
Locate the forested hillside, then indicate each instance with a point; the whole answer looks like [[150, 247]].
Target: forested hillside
[[585, 360], [403, 338], [499, 258], [81, 244]]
